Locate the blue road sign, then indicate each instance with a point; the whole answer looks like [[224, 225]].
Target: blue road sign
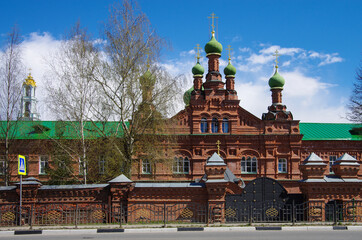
[[21, 165]]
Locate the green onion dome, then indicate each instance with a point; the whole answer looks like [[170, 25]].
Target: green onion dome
[[187, 96], [198, 69], [276, 81], [213, 46], [147, 79], [230, 70]]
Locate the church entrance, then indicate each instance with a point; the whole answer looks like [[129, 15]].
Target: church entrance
[[262, 200]]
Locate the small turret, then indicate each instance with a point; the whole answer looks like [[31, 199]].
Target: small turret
[[277, 111], [28, 100]]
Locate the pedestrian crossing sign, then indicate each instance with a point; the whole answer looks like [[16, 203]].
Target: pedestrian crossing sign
[[21, 165]]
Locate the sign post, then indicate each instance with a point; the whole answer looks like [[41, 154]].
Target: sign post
[[21, 172]]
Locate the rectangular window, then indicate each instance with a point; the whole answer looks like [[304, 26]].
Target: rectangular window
[[146, 167], [102, 164], [181, 165], [43, 164], [2, 164], [332, 160], [249, 165], [282, 165]]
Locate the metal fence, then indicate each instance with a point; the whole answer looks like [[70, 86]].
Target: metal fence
[[311, 211], [153, 213]]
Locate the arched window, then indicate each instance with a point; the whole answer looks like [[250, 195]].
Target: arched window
[[249, 165], [282, 165], [27, 91], [203, 126], [214, 125], [181, 165], [225, 125]]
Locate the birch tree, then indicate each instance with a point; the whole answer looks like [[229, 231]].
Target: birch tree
[[139, 91], [71, 91], [11, 76]]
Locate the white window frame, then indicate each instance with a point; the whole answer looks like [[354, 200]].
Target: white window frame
[[43, 164], [332, 160], [2, 164], [181, 165], [146, 167], [101, 165], [249, 165], [282, 165]]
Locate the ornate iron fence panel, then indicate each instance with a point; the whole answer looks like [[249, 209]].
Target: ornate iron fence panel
[[9, 215], [55, 214], [144, 213], [186, 213]]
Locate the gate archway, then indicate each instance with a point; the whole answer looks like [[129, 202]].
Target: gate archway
[[263, 199]]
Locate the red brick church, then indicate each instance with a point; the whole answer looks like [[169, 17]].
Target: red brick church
[[297, 155], [225, 155]]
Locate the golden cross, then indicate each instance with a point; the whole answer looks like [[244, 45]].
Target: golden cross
[[218, 146], [147, 52], [30, 71], [276, 58], [212, 21], [197, 52], [229, 49]]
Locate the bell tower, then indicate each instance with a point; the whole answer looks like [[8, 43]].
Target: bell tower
[[28, 100]]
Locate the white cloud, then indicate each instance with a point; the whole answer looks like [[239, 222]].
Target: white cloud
[[236, 39], [326, 58], [245, 49], [191, 52], [307, 96], [283, 51], [260, 59]]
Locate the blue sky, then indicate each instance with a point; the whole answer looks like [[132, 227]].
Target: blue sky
[[320, 43]]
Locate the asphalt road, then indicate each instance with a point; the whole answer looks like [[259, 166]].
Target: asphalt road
[[249, 235]]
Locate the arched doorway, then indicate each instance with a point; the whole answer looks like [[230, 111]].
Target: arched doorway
[[263, 199]]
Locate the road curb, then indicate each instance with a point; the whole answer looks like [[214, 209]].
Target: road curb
[[275, 228], [27, 232], [146, 230], [227, 229], [110, 230], [191, 229], [340, 228], [69, 231]]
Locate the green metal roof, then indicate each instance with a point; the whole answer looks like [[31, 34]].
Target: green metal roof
[[330, 131], [70, 130], [61, 129]]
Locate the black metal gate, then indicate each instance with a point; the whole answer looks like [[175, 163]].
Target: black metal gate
[[262, 200]]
